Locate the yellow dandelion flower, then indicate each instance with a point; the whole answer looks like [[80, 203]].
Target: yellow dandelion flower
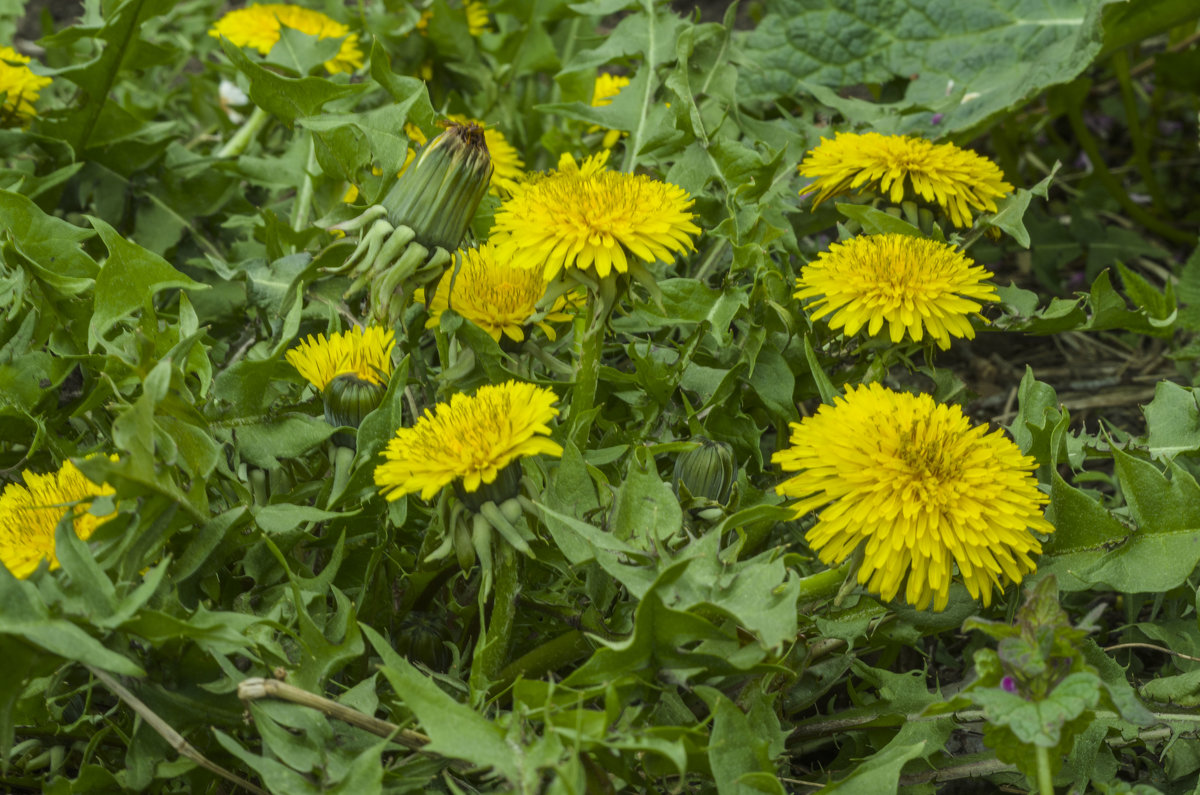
[[607, 86], [916, 286], [958, 180], [30, 514], [585, 216], [920, 490], [257, 27], [477, 19], [469, 438], [364, 353], [20, 87], [495, 295]]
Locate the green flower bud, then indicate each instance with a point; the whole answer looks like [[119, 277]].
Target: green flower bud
[[437, 195], [348, 399], [706, 472]]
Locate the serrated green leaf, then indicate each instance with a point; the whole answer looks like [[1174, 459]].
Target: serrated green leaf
[[127, 279], [455, 730], [1172, 421]]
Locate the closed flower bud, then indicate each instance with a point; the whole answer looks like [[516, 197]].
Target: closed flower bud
[[348, 399], [706, 472], [436, 196]]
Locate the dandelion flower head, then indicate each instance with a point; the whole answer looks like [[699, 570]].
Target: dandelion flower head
[[607, 86], [585, 216], [920, 490], [30, 514], [958, 180], [470, 438], [363, 353], [495, 295], [915, 286], [257, 27], [19, 85]]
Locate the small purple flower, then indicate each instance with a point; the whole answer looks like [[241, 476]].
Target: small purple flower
[[936, 118], [1008, 684]]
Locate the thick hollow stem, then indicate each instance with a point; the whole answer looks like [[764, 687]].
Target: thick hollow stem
[[245, 134], [589, 341]]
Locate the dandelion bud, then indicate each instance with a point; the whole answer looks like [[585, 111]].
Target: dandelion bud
[[436, 196], [348, 399], [706, 472]]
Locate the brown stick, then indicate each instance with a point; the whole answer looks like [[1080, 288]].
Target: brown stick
[[174, 738]]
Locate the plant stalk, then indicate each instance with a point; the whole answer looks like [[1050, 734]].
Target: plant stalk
[[245, 134]]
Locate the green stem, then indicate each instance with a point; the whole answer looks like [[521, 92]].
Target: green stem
[[343, 462], [304, 194], [1114, 186], [493, 644], [1045, 777], [1137, 133], [823, 585], [589, 340], [245, 134], [550, 656]]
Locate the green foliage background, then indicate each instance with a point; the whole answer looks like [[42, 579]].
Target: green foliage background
[[150, 285]]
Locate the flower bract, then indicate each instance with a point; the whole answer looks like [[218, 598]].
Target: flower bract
[[495, 295], [915, 286], [257, 27], [585, 216], [363, 353], [919, 489], [958, 180], [20, 87], [471, 438], [607, 86], [30, 514]]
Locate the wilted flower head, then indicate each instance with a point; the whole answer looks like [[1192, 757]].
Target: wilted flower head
[[587, 217], [958, 180], [257, 27], [607, 86], [363, 353], [20, 87], [495, 295], [469, 439], [919, 490], [30, 514], [915, 286]]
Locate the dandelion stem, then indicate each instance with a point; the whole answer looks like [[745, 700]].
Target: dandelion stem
[[823, 585], [304, 194], [550, 656], [589, 340], [245, 134]]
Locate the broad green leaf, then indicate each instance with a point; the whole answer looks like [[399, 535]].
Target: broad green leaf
[[24, 616], [128, 278], [735, 751], [1172, 421], [965, 63], [1040, 722], [645, 509], [286, 98], [878, 774], [455, 730], [1090, 547]]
